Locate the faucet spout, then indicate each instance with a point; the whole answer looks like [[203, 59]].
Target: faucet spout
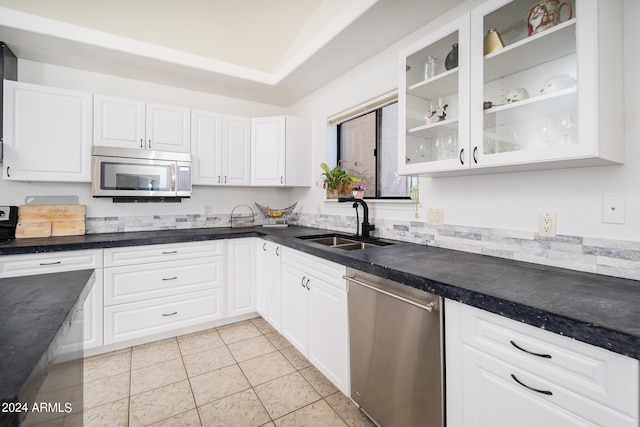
[[367, 228]]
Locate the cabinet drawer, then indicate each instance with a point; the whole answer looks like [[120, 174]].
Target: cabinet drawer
[[139, 319], [514, 396], [593, 372], [51, 262], [133, 255], [327, 271], [137, 283]]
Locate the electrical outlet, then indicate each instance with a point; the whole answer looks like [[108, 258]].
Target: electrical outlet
[[547, 224], [613, 208], [434, 216], [207, 210]]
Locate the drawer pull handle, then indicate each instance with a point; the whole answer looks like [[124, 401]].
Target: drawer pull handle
[[170, 314], [169, 252], [51, 263], [546, 356], [170, 278], [547, 392]]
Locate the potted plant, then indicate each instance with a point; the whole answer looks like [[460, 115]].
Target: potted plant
[[336, 181], [358, 190]]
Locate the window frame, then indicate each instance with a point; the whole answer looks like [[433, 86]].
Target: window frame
[[378, 124]]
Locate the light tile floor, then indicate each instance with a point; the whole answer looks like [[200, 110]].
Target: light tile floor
[[243, 374]]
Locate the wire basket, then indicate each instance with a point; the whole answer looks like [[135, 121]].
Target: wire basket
[[242, 220]]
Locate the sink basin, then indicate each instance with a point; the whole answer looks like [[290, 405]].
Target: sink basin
[[344, 242]]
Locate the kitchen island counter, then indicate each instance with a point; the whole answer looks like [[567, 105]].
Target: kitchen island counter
[[35, 317], [596, 309]]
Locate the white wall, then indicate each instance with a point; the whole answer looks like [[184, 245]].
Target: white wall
[[221, 199], [505, 201]]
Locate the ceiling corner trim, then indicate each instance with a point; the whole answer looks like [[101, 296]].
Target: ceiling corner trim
[[48, 27]]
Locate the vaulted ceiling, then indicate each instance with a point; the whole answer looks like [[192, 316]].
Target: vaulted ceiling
[[272, 51]]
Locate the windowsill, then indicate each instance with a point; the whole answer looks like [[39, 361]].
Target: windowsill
[[380, 201]]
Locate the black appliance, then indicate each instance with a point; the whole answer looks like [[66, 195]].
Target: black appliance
[[8, 71], [8, 222]]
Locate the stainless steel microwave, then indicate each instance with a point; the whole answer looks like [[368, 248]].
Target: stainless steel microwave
[[125, 172]]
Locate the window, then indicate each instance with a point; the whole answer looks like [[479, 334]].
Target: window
[[367, 146]]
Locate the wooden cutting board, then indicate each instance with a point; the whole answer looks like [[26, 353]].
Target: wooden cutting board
[[50, 220]]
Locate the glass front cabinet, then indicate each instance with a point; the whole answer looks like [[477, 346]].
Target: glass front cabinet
[[535, 86]]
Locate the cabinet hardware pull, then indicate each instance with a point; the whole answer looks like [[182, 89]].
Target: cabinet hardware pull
[[149, 144], [170, 314], [281, 180], [141, 143], [225, 179], [308, 280], [547, 392], [546, 356], [475, 154], [51, 263], [170, 278], [219, 179], [264, 246], [302, 281], [461, 153], [8, 174], [169, 252], [278, 251]]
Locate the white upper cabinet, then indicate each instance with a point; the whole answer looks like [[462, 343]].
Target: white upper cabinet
[[546, 100], [206, 148], [433, 113], [135, 124], [236, 150], [280, 151], [47, 134]]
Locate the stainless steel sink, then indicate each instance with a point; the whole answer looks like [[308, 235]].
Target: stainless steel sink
[[343, 242]]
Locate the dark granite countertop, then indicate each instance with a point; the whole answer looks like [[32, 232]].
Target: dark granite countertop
[[596, 309], [35, 314]]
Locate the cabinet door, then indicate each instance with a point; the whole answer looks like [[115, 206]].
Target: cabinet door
[[118, 122], [236, 147], [268, 151], [328, 332], [206, 147], [497, 394], [550, 89], [268, 282], [47, 134], [294, 307], [433, 112], [168, 128], [241, 281]]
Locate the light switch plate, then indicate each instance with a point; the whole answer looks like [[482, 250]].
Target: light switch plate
[[434, 216]]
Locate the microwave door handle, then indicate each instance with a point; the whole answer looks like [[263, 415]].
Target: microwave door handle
[[173, 177]]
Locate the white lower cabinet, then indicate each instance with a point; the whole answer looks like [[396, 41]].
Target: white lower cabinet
[[504, 373], [241, 276], [268, 278], [314, 313], [158, 288]]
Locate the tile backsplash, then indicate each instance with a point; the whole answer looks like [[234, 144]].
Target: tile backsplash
[[602, 256]]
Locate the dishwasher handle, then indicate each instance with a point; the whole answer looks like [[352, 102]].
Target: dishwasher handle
[[429, 307]]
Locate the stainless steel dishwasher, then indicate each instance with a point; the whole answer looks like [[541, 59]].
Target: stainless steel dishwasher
[[396, 352]]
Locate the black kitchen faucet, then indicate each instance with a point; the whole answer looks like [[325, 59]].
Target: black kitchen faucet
[[366, 227]]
